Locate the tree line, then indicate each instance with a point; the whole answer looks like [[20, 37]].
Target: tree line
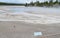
[[37, 3], [4, 3], [46, 3]]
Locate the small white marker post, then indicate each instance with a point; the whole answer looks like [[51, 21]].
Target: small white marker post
[[37, 33]]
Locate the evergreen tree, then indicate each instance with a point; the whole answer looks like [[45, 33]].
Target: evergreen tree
[[51, 3], [56, 2], [59, 3], [37, 3], [26, 4], [46, 3], [31, 3]]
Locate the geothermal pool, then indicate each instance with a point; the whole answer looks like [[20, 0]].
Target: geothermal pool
[[36, 15]]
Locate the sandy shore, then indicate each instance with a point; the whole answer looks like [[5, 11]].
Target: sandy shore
[[15, 29]]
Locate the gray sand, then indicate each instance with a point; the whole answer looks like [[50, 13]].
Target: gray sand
[[15, 29]]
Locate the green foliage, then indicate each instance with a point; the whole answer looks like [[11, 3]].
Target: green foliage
[[26, 4], [3, 3], [59, 3], [37, 3], [56, 2], [31, 3], [51, 3], [46, 3]]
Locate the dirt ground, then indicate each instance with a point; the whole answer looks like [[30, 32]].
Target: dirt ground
[[16, 29]]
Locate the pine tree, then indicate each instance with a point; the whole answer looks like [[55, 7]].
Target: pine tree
[[31, 3], [37, 3], [51, 3], [26, 4], [46, 3], [56, 2]]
